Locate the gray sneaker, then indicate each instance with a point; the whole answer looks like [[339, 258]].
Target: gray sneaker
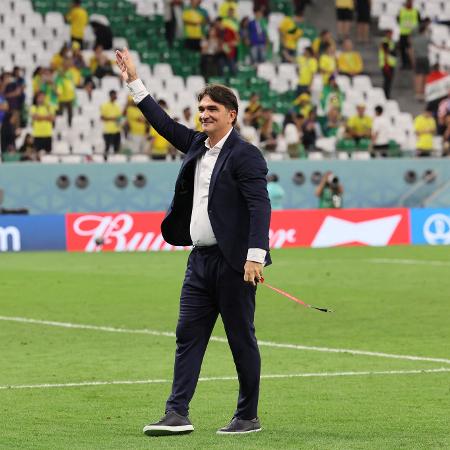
[[241, 426], [171, 424]]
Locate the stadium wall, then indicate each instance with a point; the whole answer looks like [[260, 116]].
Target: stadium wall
[[94, 187], [94, 232]]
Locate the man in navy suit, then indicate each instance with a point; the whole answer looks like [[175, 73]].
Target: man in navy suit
[[222, 208]]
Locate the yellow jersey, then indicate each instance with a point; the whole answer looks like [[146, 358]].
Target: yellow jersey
[[290, 33], [226, 6], [42, 128], [111, 110], [194, 19], [425, 127], [345, 4], [137, 128], [160, 145], [307, 68], [362, 126], [78, 19], [327, 65], [350, 63]]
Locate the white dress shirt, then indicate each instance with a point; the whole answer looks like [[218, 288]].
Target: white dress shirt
[[201, 230]]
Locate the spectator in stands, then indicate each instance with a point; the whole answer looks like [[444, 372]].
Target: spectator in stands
[[321, 42], [229, 8], [247, 130], [9, 132], [359, 126], [254, 108], [42, 117], [111, 116], [100, 64], [58, 58], [380, 133], [66, 90], [137, 127], [408, 20], [14, 92], [446, 137], [303, 104], [310, 131], [102, 31], [290, 33], [327, 63], [333, 122], [258, 37], [78, 58], [211, 47], [27, 149], [293, 133], [160, 148], [229, 32], [195, 20], [275, 191], [307, 68], [425, 128], [19, 80], [330, 191], [362, 21], [78, 19], [349, 61], [420, 44], [187, 119], [172, 9], [387, 62], [264, 5], [244, 41], [443, 111], [332, 96], [344, 12], [268, 132], [3, 102]]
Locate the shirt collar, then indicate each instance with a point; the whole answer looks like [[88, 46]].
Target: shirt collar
[[219, 145]]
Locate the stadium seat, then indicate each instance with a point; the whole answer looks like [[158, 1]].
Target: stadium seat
[[117, 159], [49, 159], [61, 148], [71, 159]]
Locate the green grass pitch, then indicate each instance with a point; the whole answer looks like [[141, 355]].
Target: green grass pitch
[[393, 301]]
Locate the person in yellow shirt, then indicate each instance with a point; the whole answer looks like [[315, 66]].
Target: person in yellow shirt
[[408, 20], [137, 127], [307, 68], [327, 63], [321, 42], [344, 13], [425, 128], [111, 116], [360, 126], [160, 148], [195, 19], [66, 89], [290, 33], [349, 61], [78, 19], [225, 7], [42, 117]]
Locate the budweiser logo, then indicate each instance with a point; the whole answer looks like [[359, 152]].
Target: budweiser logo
[[278, 238], [116, 233]]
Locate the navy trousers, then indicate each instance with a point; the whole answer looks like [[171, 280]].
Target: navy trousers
[[212, 287]]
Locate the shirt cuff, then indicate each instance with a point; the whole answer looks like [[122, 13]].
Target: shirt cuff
[[256, 255], [137, 90]]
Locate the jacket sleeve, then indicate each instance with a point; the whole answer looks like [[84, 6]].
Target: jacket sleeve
[[177, 134], [251, 172]]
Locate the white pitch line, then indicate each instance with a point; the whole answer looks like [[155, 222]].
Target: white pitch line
[[409, 262], [222, 340], [230, 378]]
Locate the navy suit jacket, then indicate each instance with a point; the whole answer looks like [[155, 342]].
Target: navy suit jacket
[[238, 203]]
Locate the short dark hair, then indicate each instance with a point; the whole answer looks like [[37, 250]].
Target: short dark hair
[[221, 94], [379, 109]]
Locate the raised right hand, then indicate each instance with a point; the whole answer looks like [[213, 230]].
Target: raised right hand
[[126, 65]]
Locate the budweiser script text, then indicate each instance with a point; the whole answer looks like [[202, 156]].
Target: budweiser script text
[[119, 233]]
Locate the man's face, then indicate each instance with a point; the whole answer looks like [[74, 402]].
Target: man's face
[[361, 110], [214, 117]]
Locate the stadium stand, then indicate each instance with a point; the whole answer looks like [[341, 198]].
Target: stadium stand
[[33, 33]]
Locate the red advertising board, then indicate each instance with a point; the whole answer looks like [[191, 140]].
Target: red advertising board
[[293, 228]]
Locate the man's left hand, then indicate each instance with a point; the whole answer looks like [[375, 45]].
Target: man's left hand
[[253, 272]]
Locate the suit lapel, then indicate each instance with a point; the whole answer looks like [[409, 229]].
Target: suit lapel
[[223, 155]]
